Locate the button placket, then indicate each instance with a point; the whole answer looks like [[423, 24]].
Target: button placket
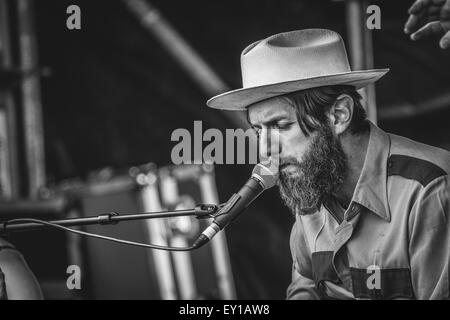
[[352, 212], [343, 235]]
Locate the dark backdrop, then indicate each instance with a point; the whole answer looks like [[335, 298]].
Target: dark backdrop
[[113, 97]]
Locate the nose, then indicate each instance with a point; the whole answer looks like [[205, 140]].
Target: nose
[[269, 144]]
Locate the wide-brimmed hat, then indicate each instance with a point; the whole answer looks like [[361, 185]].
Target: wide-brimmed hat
[[293, 61]]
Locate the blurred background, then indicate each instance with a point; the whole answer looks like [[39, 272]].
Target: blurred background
[[86, 118]]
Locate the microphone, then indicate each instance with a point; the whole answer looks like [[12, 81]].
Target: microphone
[[262, 178]]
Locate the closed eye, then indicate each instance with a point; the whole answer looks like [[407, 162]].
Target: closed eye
[[283, 125], [277, 125]]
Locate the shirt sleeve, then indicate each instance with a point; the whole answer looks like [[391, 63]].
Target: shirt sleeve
[[429, 246], [19, 282], [302, 287]]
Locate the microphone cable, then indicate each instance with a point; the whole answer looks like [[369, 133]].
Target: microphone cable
[[98, 236]]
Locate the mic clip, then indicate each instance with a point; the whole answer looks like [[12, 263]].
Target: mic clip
[[225, 208], [106, 218], [206, 211]]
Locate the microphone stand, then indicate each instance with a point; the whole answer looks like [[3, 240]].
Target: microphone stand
[[201, 211]]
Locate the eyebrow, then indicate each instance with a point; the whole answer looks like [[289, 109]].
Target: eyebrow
[[272, 120]]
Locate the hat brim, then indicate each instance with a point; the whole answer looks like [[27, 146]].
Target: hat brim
[[240, 99]]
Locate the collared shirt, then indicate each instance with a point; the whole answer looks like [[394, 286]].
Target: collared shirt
[[3, 294], [16, 279], [394, 240]]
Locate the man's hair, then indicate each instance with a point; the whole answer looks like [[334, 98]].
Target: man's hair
[[312, 105]]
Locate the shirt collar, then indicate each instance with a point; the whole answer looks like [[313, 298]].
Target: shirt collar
[[371, 188]]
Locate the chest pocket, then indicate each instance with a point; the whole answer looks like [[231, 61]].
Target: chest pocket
[[323, 270], [382, 283], [386, 284]]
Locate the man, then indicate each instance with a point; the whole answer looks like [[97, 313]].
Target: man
[[429, 17], [17, 282], [372, 209]]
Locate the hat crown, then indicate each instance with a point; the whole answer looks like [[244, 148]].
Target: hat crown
[[292, 56]]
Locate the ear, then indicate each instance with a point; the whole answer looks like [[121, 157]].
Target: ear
[[341, 114]]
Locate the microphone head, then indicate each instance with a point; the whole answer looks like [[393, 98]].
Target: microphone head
[[267, 175]]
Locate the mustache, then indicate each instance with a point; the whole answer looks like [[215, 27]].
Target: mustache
[[288, 162]]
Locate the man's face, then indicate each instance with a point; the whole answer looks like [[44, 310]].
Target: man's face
[[310, 167]]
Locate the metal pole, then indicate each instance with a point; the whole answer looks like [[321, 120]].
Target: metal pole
[[159, 260], [10, 174], [153, 21], [370, 90], [32, 109], [219, 245], [361, 49], [104, 219]]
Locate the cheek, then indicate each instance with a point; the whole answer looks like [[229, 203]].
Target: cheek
[[293, 144]]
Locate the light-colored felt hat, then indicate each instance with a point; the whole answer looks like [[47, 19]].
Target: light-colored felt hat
[[293, 61]]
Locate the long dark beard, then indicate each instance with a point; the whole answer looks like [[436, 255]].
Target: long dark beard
[[320, 174]]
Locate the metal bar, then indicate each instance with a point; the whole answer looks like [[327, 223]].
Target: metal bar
[[33, 208], [369, 64], [109, 218], [355, 33], [361, 51], [182, 261], [74, 247], [401, 111], [160, 260], [153, 21], [32, 109], [219, 245], [11, 175]]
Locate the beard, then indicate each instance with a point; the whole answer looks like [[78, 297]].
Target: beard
[[306, 184]]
